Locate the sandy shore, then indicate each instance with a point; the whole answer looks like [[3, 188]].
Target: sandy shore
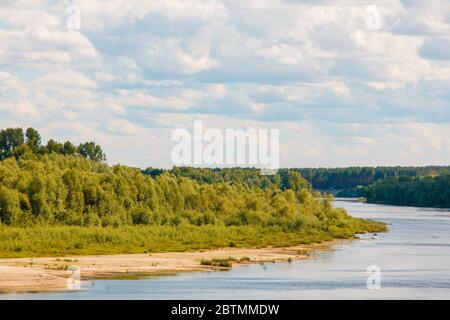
[[51, 274]]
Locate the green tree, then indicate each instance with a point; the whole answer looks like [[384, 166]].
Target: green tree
[[9, 204], [33, 139], [296, 182], [69, 148], [92, 151], [9, 139], [54, 147]]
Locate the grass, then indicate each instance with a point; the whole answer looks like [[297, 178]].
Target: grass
[[225, 262], [60, 241]]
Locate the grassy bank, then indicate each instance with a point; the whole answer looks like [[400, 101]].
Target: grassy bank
[[72, 240]]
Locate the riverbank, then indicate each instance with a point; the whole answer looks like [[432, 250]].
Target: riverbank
[[63, 241], [18, 275]]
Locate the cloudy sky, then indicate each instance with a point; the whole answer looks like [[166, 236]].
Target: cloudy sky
[[346, 82]]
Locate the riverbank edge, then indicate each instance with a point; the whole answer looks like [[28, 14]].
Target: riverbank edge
[[52, 274]]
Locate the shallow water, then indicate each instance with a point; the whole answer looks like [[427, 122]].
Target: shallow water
[[414, 262]]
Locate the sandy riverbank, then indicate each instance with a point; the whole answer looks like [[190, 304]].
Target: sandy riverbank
[[50, 274]]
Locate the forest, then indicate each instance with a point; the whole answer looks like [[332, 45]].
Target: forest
[[55, 202], [284, 179], [347, 180], [342, 182], [426, 191]]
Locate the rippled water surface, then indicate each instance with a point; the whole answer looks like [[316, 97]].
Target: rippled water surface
[[414, 259]]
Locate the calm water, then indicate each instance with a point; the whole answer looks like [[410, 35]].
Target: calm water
[[414, 258]]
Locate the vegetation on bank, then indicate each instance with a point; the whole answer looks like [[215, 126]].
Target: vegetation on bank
[[412, 186], [57, 240], [428, 191], [284, 179], [69, 190], [350, 178], [343, 182], [54, 203]]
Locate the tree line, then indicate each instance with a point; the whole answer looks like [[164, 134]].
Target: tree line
[[414, 186], [352, 177], [15, 142], [426, 191], [284, 179], [323, 179]]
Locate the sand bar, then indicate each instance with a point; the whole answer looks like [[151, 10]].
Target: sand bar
[[51, 274]]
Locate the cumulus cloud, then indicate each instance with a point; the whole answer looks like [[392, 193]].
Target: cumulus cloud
[[345, 84]]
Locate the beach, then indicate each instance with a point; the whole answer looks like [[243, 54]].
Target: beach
[[47, 274]]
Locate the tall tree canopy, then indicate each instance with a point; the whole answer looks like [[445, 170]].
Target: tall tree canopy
[[91, 151], [33, 139], [14, 143], [9, 139]]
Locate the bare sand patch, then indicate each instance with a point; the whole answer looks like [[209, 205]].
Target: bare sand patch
[[50, 273]]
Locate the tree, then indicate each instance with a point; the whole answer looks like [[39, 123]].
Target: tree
[[9, 139], [33, 139], [69, 148], [54, 147], [91, 151], [296, 182], [9, 204]]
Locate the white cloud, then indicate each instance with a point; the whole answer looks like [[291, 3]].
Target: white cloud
[[341, 93], [120, 126], [67, 79], [142, 99]]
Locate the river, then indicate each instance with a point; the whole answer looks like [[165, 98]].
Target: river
[[413, 259]]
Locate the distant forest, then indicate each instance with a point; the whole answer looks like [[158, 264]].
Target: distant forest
[[321, 179], [415, 186], [285, 178], [426, 191], [352, 177]]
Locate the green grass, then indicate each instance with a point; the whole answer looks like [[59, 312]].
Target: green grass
[[60, 241], [225, 262]]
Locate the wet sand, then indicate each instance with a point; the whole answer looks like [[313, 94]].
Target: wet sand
[[51, 274]]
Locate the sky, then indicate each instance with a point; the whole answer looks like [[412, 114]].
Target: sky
[[347, 83]]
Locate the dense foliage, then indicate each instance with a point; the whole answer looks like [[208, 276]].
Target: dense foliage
[[71, 190], [427, 191], [284, 179], [73, 240], [352, 177], [342, 182]]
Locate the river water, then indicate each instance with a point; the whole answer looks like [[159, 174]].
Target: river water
[[413, 261]]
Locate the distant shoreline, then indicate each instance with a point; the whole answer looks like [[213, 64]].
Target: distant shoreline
[[30, 275]]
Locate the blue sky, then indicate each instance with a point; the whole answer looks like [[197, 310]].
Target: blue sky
[[341, 89]]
